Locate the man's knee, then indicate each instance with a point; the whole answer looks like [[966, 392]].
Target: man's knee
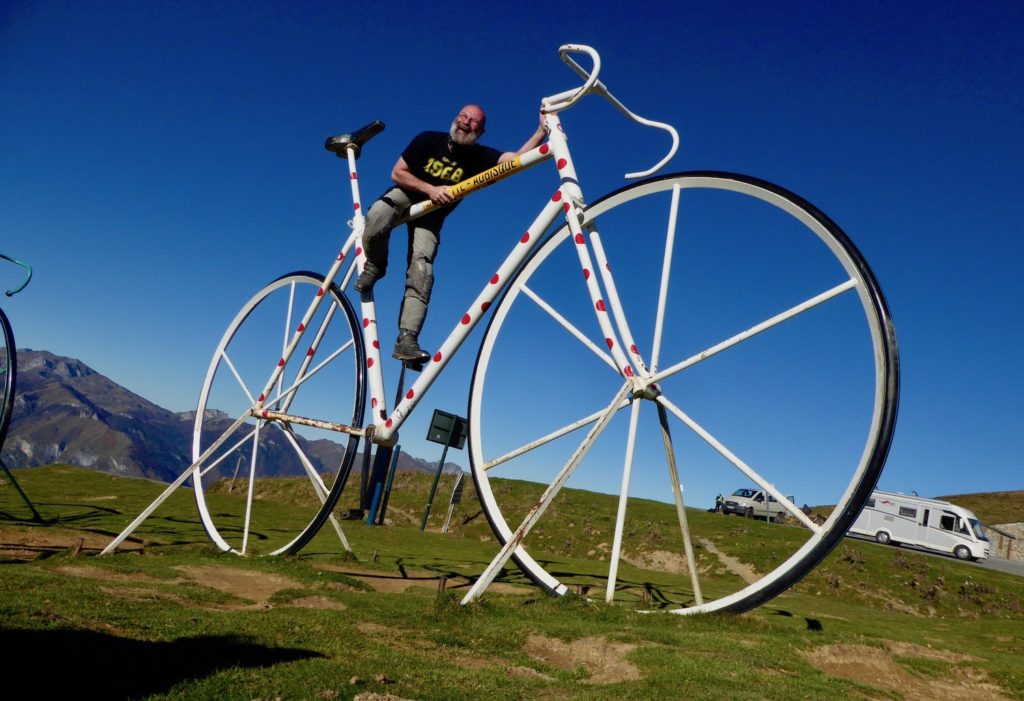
[[379, 220], [420, 279], [421, 270]]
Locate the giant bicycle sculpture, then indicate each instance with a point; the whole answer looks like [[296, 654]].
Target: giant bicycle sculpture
[[605, 343]]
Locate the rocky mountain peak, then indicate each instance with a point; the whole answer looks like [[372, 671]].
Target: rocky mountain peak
[[46, 364]]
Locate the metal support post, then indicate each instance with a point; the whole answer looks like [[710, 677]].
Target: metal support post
[[35, 514], [433, 487]]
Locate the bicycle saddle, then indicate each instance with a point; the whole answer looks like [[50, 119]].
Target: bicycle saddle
[[355, 140]]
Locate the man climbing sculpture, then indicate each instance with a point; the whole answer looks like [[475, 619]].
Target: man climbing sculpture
[[431, 163]]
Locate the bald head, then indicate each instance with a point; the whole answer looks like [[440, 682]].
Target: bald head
[[468, 125]]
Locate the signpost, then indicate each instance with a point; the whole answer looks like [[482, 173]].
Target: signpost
[[456, 498], [450, 431]]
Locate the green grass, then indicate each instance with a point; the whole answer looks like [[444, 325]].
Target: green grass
[[994, 508], [141, 624]]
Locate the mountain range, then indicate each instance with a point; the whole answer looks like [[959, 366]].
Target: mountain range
[[66, 412]]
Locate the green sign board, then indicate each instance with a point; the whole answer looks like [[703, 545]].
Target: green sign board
[[447, 429]]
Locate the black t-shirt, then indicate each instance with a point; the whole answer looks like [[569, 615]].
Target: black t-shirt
[[434, 158]]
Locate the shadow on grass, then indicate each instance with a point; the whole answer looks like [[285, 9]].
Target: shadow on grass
[[813, 624], [63, 663], [653, 595]]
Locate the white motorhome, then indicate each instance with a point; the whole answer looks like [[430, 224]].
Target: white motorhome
[[927, 523]]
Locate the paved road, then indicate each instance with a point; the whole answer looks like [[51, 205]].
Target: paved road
[[991, 563], [994, 563]]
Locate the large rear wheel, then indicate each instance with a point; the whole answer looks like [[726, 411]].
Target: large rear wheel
[[272, 484]]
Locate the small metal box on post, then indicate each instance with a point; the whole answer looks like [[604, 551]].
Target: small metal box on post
[[450, 431]]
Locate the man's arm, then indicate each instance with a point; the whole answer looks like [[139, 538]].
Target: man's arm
[[403, 177], [531, 143]]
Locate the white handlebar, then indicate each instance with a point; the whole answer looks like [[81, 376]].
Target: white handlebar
[[564, 100]]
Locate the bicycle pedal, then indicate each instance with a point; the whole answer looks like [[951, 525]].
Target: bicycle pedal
[[414, 365]]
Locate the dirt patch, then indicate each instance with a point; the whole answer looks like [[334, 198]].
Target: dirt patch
[[604, 661], [30, 544], [520, 672], [398, 581], [142, 596], [875, 667], [745, 572], [91, 572], [394, 582], [257, 587], [317, 602], [658, 561]]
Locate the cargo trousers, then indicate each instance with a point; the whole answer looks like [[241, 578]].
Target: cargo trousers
[[424, 239]]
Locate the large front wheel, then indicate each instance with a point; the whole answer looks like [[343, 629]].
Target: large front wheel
[[760, 355], [270, 485]]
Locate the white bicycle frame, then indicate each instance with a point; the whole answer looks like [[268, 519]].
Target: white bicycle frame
[[623, 354], [568, 198]]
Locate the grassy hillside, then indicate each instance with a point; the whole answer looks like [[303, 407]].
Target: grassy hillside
[[992, 507], [167, 617]]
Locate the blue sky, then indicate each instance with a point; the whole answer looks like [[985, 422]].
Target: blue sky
[[161, 161]]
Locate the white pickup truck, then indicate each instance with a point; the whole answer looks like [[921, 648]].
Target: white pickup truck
[[752, 503]]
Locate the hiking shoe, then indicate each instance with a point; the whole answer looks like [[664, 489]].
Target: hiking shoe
[[407, 348], [365, 281]]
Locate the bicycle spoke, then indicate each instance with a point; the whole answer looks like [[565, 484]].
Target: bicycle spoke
[[620, 515], [290, 392], [251, 489], [541, 506], [238, 377], [739, 464], [226, 453], [301, 374], [289, 307], [666, 270], [286, 333], [554, 435], [319, 487], [568, 326], [756, 329], [677, 494]]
